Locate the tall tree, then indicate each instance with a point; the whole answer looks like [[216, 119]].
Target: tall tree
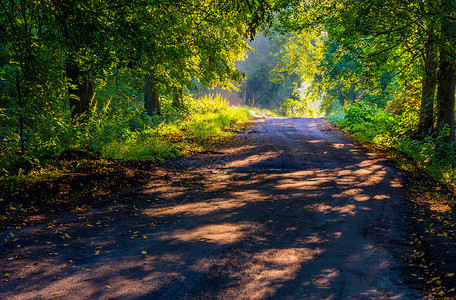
[[392, 37]]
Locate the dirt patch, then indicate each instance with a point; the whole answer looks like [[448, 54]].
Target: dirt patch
[[78, 184]]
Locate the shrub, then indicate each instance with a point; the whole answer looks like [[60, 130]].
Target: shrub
[[369, 124]]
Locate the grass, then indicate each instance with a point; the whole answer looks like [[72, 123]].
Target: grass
[[198, 126], [207, 122]]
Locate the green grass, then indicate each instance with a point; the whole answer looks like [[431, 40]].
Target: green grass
[[125, 135], [207, 120]]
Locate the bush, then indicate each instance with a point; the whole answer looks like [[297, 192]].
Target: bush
[[121, 132], [368, 123]]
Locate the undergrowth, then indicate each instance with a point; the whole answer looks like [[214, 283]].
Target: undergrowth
[[130, 134], [367, 123]]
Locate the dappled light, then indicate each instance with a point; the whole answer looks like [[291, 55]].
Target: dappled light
[[264, 221], [219, 233], [238, 149]]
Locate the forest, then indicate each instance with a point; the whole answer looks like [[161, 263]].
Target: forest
[[130, 79], [227, 149]]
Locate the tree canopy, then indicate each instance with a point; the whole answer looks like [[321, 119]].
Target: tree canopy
[[62, 61]]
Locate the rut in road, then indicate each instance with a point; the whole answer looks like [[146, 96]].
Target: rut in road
[[289, 212]]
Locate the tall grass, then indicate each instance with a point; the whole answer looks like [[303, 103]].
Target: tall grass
[[204, 120], [123, 132]]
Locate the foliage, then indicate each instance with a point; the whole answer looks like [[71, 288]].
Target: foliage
[[205, 122], [297, 106], [368, 123], [129, 134], [52, 54], [261, 88]]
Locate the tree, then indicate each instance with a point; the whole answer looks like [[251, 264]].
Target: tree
[[392, 37]]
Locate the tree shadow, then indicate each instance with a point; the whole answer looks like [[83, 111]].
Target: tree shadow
[[274, 220]]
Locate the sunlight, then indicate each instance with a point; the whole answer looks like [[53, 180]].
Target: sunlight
[[121, 280], [226, 233], [254, 159], [345, 210], [273, 268], [324, 279], [195, 208]]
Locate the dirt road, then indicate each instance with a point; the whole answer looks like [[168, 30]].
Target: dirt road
[[289, 210]]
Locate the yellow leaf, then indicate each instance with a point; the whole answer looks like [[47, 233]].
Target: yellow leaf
[[144, 253], [6, 275], [108, 287], [145, 237], [449, 275]]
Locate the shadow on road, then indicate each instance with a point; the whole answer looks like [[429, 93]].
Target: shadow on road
[[290, 212]]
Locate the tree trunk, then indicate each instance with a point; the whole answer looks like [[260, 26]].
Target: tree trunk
[[21, 116], [178, 98], [445, 95], [80, 92], [426, 124], [151, 96]]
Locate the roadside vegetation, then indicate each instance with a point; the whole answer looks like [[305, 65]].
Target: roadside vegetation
[[94, 92], [392, 132], [92, 80], [129, 135]]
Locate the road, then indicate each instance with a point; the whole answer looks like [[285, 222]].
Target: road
[[288, 210]]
